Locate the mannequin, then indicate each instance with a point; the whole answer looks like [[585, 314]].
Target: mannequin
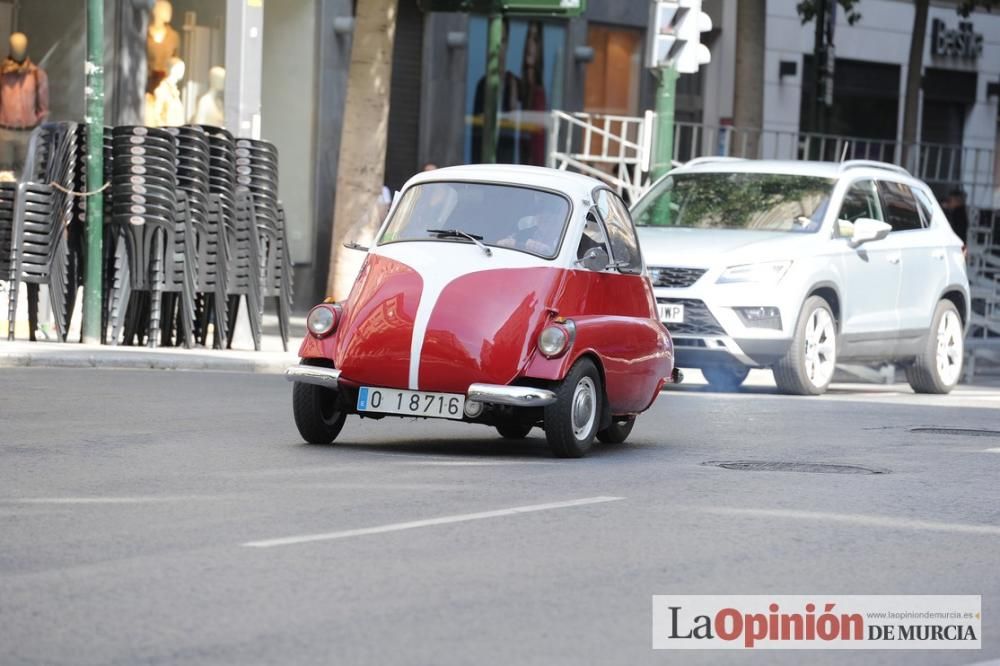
[[167, 109], [24, 102], [210, 109], [162, 41]]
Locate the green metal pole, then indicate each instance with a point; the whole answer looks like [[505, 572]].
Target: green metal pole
[[663, 148], [491, 94], [95, 172]]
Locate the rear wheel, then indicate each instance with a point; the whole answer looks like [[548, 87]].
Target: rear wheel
[[725, 377], [939, 366], [571, 421], [316, 415], [808, 366], [618, 431], [514, 429]]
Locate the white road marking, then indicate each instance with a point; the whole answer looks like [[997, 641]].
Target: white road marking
[[430, 522], [102, 500], [996, 450], [859, 519]]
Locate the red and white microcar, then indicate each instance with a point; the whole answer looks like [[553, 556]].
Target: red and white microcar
[[505, 295]]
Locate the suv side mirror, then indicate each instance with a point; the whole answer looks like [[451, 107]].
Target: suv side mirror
[[866, 230], [595, 259]]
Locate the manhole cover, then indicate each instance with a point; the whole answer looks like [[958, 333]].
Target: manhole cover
[[966, 432], [809, 468]]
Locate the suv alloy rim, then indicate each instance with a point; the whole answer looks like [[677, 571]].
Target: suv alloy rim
[[949, 348], [584, 407], [820, 348]]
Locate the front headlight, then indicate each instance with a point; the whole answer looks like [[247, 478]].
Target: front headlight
[[764, 273], [322, 319], [553, 340]]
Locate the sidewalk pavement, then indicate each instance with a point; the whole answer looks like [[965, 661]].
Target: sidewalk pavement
[[242, 358]]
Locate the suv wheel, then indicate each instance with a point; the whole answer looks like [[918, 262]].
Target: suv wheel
[[808, 366], [725, 377], [939, 366]]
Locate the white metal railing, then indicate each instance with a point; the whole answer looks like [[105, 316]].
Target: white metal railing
[[615, 149]]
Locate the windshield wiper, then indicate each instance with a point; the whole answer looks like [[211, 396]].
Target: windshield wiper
[[457, 233]]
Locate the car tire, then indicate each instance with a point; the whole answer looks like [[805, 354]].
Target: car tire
[[571, 421], [808, 365], [618, 431], [315, 415], [939, 366], [725, 377], [514, 429]]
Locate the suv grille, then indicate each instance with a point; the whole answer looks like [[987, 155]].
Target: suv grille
[[697, 318], [675, 277]]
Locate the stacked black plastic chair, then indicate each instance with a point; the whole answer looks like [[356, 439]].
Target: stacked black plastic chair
[[257, 170], [43, 210], [8, 195], [144, 215], [235, 207]]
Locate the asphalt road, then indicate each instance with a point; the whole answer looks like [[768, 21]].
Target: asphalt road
[[172, 517]]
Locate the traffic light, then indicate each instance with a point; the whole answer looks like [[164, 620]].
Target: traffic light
[[675, 39]]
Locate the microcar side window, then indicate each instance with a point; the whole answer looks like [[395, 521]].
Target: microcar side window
[[518, 218], [593, 236], [621, 233]]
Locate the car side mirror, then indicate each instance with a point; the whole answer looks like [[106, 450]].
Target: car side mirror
[[595, 259], [867, 230]]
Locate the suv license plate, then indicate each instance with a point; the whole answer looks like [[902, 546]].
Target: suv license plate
[[411, 403], [671, 313]]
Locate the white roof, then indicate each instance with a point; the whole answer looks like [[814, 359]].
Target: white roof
[[573, 184], [832, 170]]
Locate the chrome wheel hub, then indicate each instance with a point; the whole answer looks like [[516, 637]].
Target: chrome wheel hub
[[584, 407]]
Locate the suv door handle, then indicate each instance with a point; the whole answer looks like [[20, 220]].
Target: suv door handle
[[938, 254], [893, 258]]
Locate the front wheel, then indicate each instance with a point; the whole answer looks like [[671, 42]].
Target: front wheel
[[939, 365], [808, 366], [571, 421], [514, 429], [618, 431], [316, 414]]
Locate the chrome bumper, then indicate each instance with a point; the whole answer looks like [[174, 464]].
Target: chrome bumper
[[516, 396], [309, 374]]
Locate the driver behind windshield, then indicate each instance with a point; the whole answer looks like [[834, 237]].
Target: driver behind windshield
[[537, 230]]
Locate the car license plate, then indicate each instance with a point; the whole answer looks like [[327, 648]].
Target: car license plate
[[671, 313], [411, 403]]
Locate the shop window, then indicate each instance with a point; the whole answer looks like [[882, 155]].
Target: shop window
[[530, 86]]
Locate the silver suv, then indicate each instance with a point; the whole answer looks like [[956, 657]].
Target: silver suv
[[796, 266]]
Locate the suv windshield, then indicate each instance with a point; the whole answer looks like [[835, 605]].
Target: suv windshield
[[733, 200], [518, 218]]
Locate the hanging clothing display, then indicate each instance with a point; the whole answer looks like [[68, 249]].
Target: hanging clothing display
[[24, 94]]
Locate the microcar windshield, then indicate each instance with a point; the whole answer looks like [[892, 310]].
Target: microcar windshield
[[736, 200], [508, 216]]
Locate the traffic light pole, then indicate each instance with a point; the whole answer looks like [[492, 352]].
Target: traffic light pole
[[663, 147], [95, 172], [492, 92]]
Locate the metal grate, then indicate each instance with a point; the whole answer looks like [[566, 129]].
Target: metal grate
[[697, 318], [674, 277]]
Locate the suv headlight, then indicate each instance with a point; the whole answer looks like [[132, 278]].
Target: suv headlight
[[768, 272]]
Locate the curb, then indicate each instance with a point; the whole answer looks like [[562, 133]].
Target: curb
[[147, 359]]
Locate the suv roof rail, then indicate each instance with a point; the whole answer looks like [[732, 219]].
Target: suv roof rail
[[872, 164], [707, 159]]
